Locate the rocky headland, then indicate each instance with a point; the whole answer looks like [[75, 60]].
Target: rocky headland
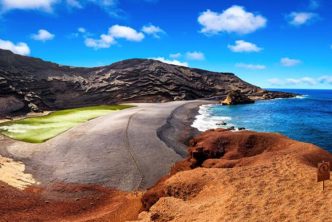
[[31, 84], [236, 97]]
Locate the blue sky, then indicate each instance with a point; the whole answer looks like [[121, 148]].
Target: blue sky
[[273, 44]]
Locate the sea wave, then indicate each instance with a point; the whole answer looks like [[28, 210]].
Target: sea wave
[[301, 97], [205, 120]]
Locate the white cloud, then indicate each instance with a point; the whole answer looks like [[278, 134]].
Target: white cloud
[[45, 5], [251, 66], [288, 62], [43, 35], [152, 30], [301, 18], [243, 46], [114, 32], [175, 55], [304, 80], [125, 32], [20, 48], [311, 81], [195, 56], [105, 41], [234, 19], [81, 30], [172, 62]]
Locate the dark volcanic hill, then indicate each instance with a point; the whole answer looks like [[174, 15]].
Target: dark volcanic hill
[[30, 84]]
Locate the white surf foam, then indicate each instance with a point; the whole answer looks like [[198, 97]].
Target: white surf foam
[[301, 97], [205, 120]]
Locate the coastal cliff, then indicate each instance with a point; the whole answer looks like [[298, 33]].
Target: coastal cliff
[[242, 176], [30, 84]]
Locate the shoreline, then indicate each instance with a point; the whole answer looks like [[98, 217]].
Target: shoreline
[[125, 145], [211, 181], [177, 131]]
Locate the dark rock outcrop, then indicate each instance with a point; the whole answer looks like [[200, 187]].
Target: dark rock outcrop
[[237, 97], [33, 84]]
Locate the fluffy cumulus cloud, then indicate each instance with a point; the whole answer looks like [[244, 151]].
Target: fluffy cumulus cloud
[[125, 32], [114, 32], [172, 62], [243, 46], [234, 19], [155, 31], [251, 66], [105, 41], [45, 5], [195, 55], [288, 62], [43, 35], [109, 6], [20, 48], [301, 18]]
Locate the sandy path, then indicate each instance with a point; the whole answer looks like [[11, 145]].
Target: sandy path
[[119, 150], [12, 173]]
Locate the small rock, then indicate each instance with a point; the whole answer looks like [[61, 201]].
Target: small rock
[[237, 97]]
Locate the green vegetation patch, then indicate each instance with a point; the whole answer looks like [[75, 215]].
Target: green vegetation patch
[[40, 129]]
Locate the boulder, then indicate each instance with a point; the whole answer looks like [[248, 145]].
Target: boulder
[[237, 97]]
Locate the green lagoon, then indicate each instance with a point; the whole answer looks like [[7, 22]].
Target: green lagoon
[[43, 128]]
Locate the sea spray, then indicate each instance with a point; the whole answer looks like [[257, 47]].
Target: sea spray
[[205, 119]]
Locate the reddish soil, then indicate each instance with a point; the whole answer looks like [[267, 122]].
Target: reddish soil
[[67, 202], [256, 167]]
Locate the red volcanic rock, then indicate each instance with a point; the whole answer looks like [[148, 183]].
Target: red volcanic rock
[[67, 202], [225, 149]]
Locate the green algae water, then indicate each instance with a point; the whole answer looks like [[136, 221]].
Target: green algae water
[[40, 129]]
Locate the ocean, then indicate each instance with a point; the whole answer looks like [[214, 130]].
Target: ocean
[[306, 118]]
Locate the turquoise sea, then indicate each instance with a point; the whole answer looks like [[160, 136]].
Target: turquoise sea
[[306, 118]]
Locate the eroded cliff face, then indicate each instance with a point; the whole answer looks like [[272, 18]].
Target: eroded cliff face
[[30, 84], [242, 176]]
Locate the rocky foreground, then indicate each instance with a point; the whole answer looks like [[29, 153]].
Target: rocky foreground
[[242, 176], [228, 176], [30, 84]]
